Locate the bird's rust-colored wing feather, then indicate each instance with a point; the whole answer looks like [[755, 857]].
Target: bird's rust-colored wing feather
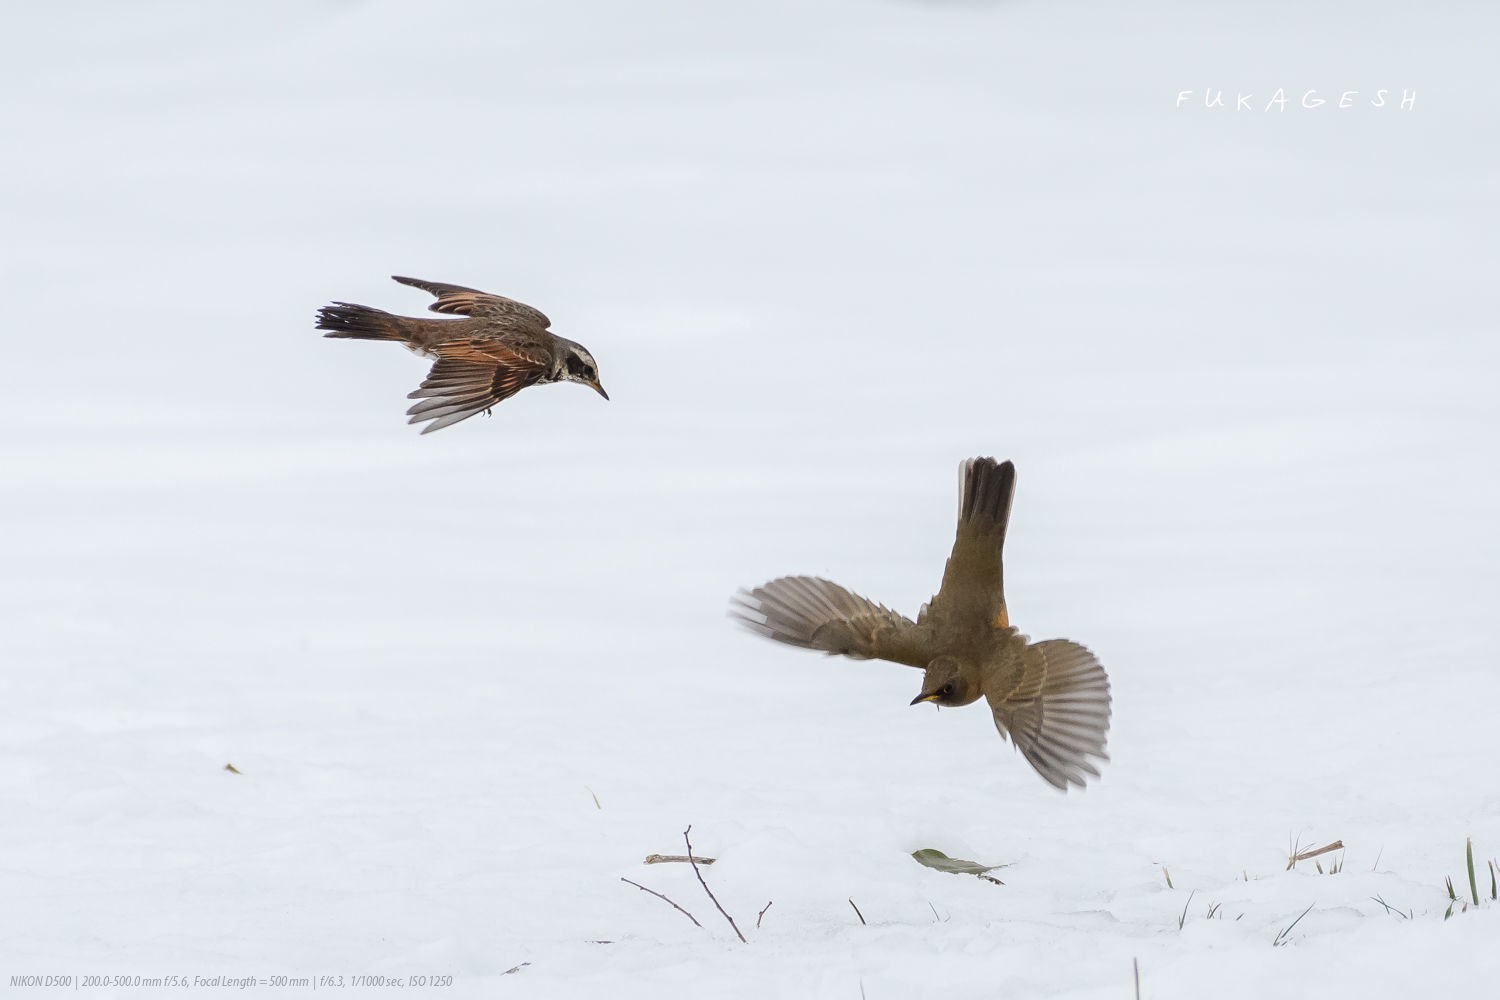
[[470, 376], [1052, 701], [973, 588], [814, 613], [461, 301]]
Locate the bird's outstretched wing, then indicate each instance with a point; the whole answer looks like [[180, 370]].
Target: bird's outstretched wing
[[470, 376], [1055, 709], [816, 614], [461, 301], [973, 587]]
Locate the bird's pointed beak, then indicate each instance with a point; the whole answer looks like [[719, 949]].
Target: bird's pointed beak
[[597, 388], [934, 696]]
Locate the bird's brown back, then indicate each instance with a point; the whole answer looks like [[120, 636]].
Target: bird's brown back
[[473, 336]]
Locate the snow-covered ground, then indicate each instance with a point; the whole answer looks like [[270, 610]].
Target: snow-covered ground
[[1246, 363]]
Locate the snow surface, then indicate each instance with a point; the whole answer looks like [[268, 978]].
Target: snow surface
[[1246, 363]]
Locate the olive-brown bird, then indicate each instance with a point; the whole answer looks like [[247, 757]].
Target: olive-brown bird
[[1050, 698], [498, 348]]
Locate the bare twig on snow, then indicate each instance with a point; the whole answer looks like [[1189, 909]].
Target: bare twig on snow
[[694, 862], [658, 895]]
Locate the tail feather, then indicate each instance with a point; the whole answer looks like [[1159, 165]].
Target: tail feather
[[356, 322], [974, 581], [985, 491]]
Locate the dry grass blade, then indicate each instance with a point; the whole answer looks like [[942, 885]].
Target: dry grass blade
[[1335, 865], [861, 916], [1296, 856], [665, 859]]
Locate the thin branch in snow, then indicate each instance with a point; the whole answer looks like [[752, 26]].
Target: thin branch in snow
[[694, 862], [658, 895], [861, 916], [762, 913]]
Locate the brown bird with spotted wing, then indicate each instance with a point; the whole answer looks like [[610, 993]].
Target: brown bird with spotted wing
[[1050, 698], [498, 347]]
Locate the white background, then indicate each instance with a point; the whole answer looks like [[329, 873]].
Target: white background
[[1246, 363]]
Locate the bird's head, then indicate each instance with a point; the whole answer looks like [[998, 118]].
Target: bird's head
[[578, 365], [946, 683]]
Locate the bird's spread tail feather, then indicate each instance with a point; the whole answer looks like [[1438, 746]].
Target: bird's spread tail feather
[[985, 491], [355, 322]]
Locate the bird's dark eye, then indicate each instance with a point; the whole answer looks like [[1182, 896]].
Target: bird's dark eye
[[947, 690], [577, 366]]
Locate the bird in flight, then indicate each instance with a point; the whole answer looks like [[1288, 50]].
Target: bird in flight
[[1051, 699], [492, 349]]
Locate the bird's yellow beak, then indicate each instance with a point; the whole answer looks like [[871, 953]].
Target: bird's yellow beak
[[926, 697], [597, 388]]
